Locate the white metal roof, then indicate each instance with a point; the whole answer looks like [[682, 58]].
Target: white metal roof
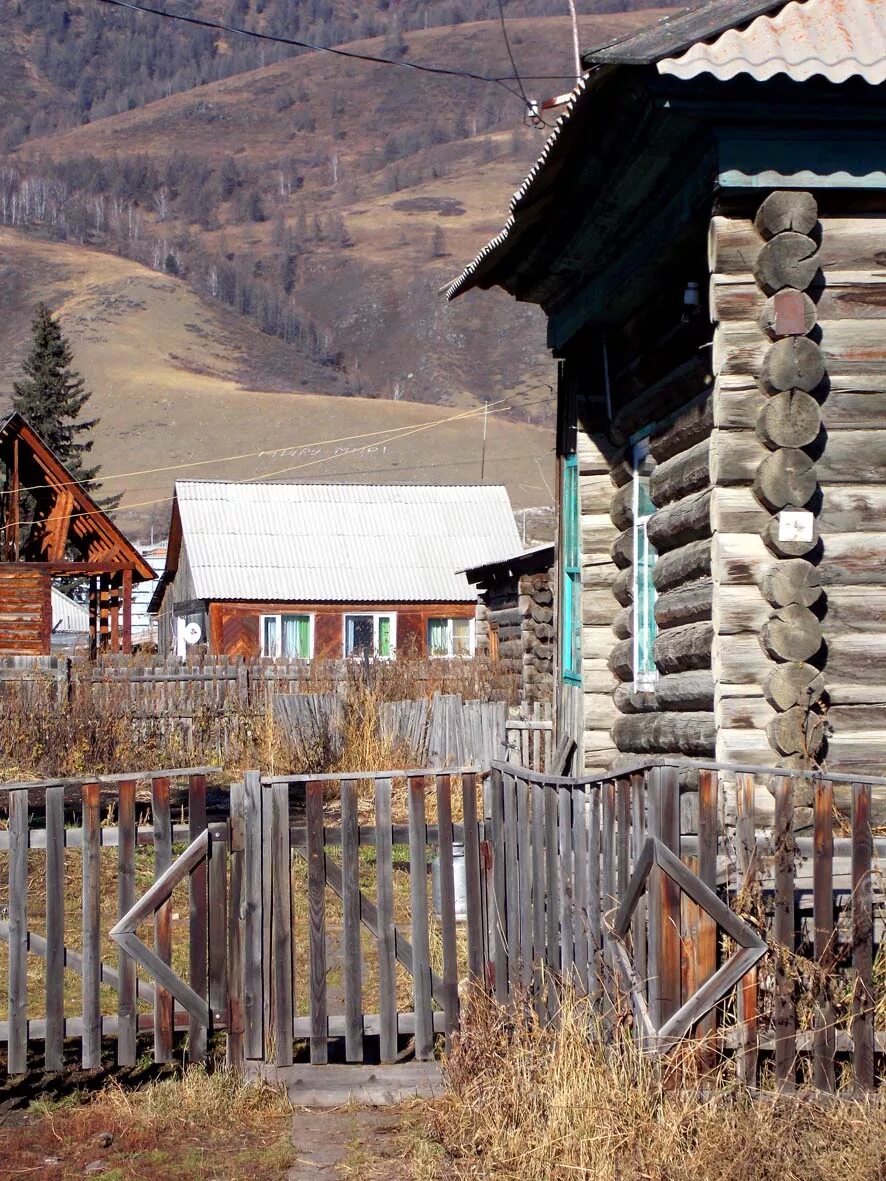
[[341, 542], [67, 615], [838, 39]]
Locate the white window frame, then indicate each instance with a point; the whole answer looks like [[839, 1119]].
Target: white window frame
[[279, 617], [375, 616], [643, 593], [450, 653]]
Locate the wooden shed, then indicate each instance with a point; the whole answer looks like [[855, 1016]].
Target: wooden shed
[[706, 231], [328, 571], [515, 619], [50, 527]]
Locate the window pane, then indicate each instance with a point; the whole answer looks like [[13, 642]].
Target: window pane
[[296, 634], [358, 635], [438, 637], [269, 636], [384, 635], [461, 637]]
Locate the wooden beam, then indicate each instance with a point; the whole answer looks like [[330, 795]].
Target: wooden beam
[[127, 612]]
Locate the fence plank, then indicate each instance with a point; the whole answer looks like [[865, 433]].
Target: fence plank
[[418, 883], [317, 921], [823, 915], [267, 915], [447, 907], [55, 929], [664, 900], [524, 864], [17, 1060], [537, 796], [498, 913], [92, 1022], [353, 960], [163, 1002], [281, 934], [387, 965], [746, 850], [473, 898], [638, 839], [552, 897], [862, 939], [236, 1013], [608, 846], [218, 924], [512, 883], [251, 909], [580, 884], [127, 1010], [784, 1009], [564, 832], [706, 946], [197, 917], [595, 927], [623, 846]]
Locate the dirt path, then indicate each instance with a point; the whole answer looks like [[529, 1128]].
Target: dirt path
[[342, 1143]]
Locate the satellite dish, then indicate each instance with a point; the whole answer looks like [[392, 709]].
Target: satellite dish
[[192, 633]]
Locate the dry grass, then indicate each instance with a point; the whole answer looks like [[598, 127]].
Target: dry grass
[[199, 1125], [565, 1103]]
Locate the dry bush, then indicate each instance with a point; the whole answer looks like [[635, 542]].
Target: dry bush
[[566, 1102]]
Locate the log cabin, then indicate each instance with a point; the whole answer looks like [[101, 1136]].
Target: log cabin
[[51, 528], [706, 233], [328, 571]]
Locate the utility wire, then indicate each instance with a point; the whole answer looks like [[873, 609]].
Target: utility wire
[[403, 432], [507, 40], [203, 22]]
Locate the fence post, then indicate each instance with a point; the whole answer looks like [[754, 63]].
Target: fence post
[[823, 917], [281, 942], [236, 1014], [197, 916], [862, 938], [784, 1010], [164, 1014], [252, 910], [499, 885], [664, 908], [18, 931]]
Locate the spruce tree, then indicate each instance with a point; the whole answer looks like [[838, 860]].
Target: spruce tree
[[52, 395]]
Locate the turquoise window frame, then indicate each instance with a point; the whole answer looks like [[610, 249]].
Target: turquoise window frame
[[570, 552]]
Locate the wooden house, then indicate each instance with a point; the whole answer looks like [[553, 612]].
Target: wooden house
[[50, 527], [706, 232], [328, 571], [515, 625]]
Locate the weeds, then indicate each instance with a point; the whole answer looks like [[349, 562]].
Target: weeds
[[528, 1103]]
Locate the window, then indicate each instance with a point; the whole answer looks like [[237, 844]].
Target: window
[[645, 672], [451, 637], [372, 635], [570, 549], [288, 636]]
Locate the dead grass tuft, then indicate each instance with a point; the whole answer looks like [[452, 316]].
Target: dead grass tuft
[[533, 1103], [200, 1124]]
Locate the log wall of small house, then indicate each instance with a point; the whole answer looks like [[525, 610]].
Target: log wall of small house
[[660, 388], [800, 628], [25, 610], [516, 628]]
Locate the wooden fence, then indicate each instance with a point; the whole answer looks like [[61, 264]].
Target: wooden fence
[[319, 912]]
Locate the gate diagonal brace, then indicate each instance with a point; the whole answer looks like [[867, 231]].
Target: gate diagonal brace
[[751, 948], [369, 919], [123, 933]]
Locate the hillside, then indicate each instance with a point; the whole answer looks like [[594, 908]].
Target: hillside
[[329, 200], [167, 372]]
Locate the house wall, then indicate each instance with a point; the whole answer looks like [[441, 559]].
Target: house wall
[[25, 610], [519, 610], [234, 628], [827, 632]]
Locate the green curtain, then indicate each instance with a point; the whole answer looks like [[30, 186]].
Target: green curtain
[[384, 635]]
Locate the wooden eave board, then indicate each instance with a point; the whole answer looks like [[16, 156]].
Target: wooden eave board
[[101, 527]]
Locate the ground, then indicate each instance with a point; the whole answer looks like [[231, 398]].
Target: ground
[[347, 1142]]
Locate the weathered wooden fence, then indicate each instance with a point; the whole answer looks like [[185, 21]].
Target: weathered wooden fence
[[313, 914], [635, 890]]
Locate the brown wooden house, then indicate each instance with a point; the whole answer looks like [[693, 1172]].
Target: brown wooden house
[[50, 527], [706, 232], [327, 571]]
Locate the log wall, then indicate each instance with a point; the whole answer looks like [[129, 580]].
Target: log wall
[[516, 627], [25, 610], [799, 418]]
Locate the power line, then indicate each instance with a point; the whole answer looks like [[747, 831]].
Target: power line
[[507, 40], [203, 22]]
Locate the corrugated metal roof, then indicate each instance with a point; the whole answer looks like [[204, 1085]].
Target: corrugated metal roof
[[838, 39], [341, 542], [68, 616]]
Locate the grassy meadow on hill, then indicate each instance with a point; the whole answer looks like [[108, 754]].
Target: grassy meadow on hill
[[177, 380]]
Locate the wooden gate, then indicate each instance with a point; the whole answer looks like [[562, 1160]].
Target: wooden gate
[[340, 938]]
